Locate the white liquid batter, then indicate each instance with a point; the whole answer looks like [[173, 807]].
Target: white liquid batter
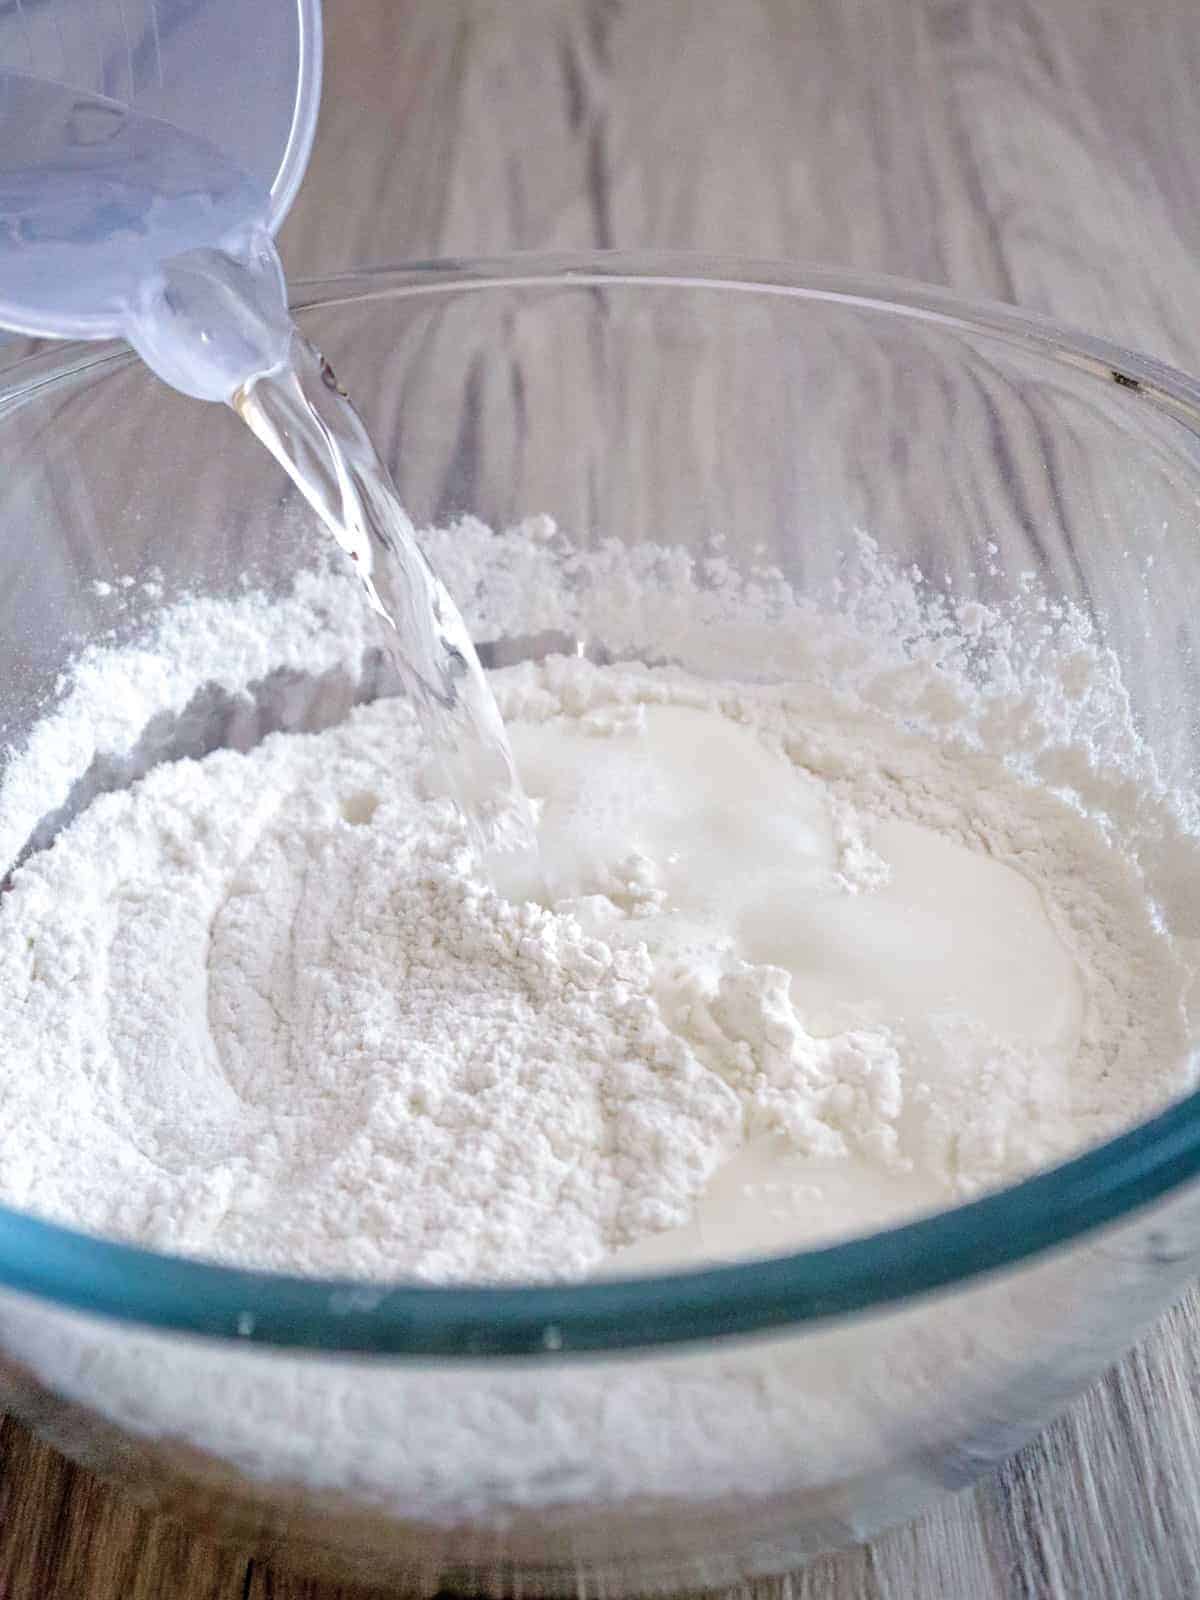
[[740, 848], [735, 852]]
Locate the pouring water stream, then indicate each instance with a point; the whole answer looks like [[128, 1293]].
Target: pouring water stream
[[112, 222]]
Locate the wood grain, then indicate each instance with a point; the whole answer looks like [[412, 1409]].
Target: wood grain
[[65, 1534], [1046, 153]]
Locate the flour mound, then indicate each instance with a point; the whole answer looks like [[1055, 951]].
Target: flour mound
[[286, 1023], [466, 1088]]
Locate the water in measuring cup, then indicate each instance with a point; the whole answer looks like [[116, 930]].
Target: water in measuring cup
[[206, 321]]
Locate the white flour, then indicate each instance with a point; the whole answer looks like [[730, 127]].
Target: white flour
[[1008, 732], [262, 1008]]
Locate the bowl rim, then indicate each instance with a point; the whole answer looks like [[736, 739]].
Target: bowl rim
[[129, 1284]]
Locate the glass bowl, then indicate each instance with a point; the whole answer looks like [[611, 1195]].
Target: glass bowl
[[662, 1432]]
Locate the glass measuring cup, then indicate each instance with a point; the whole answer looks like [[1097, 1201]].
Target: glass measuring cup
[[129, 135]]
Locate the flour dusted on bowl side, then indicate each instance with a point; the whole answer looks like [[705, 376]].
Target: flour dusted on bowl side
[[818, 948]]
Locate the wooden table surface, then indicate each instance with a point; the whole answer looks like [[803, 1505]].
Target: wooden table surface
[[1040, 151]]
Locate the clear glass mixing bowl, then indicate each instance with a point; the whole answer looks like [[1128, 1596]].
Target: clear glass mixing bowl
[[671, 1431]]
